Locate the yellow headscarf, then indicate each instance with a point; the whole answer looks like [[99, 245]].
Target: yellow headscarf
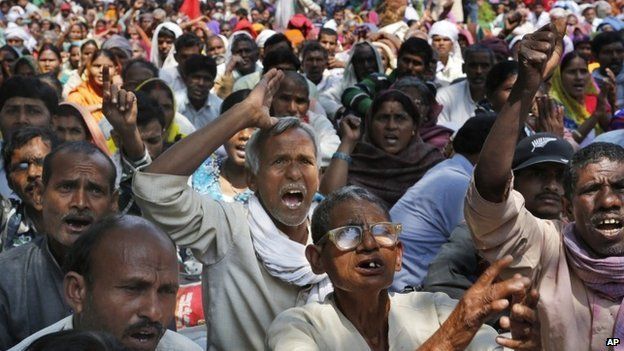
[[173, 131]]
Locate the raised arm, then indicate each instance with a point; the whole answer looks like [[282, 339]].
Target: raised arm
[[539, 55], [185, 156], [338, 170]]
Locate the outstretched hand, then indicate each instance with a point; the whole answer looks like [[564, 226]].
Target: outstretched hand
[[119, 106], [261, 97], [486, 297], [523, 322]]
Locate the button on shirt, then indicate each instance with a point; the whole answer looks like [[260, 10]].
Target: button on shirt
[[206, 114], [429, 211]]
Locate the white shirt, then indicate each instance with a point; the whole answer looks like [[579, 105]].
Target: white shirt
[[458, 105], [171, 76], [446, 74], [206, 114], [170, 341]]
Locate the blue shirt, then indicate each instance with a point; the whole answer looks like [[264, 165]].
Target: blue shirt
[[429, 211]]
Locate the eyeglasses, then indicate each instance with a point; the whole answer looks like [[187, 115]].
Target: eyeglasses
[[347, 238]]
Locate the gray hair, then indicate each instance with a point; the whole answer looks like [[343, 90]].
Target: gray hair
[[257, 140], [322, 213]]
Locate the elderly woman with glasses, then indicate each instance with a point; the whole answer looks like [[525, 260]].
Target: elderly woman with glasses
[[357, 246]]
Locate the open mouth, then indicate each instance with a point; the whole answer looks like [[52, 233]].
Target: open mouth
[[609, 227], [77, 224], [292, 198], [240, 150], [370, 266], [145, 338], [391, 139]]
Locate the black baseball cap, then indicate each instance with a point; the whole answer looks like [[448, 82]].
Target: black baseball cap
[[540, 148]]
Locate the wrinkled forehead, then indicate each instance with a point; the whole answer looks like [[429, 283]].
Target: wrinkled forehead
[[292, 141]]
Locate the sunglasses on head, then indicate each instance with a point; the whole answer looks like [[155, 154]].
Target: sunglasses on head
[[347, 238]]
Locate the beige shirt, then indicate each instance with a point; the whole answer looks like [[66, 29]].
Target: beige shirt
[[567, 322], [412, 319], [240, 297]]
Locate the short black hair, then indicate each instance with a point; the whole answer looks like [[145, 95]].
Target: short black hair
[[73, 339], [327, 31], [199, 63], [21, 137], [187, 40], [593, 153], [478, 48], [28, 87], [243, 38], [80, 148], [233, 99], [51, 80], [164, 32], [498, 74], [603, 39], [471, 136], [276, 39], [418, 47], [313, 46], [148, 110], [141, 62], [78, 258], [279, 56]]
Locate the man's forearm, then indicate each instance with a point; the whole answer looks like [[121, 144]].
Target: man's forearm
[[492, 170], [185, 156]]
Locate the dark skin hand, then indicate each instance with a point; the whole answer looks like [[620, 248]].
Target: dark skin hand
[[523, 322], [539, 55], [550, 116], [484, 299]]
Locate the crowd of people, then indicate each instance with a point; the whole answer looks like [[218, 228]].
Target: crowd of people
[[311, 175]]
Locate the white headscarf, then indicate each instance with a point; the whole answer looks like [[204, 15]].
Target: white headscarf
[[154, 57], [264, 36], [228, 52], [13, 31], [449, 30]]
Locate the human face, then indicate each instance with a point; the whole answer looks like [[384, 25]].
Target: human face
[[590, 15], [351, 271], [215, 47], [165, 101], [542, 189], [226, 30], [410, 65], [49, 62], [74, 57], [287, 178], [97, 67], [235, 147], [584, 50], [574, 78], [442, 45], [152, 136], [477, 67], [290, 100], [15, 42], [133, 292], [500, 96], [255, 16], [364, 62], [611, 56], [165, 43], [136, 75], [20, 112], [392, 128], [329, 42], [87, 53], [198, 85], [69, 128], [76, 195], [249, 53], [25, 170], [597, 199], [146, 22], [183, 55], [314, 64], [76, 33]]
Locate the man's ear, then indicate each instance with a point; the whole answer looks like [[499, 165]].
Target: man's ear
[[114, 206], [75, 289], [251, 181], [399, 258], [568, 210], [313, 254]]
